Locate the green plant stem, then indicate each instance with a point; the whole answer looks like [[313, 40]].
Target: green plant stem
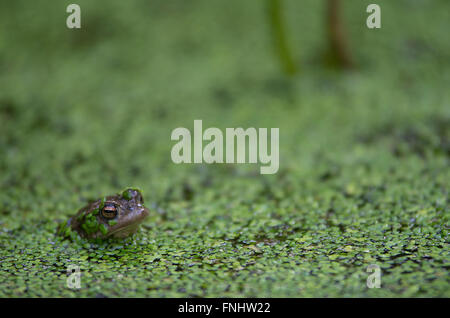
[[280, 38]]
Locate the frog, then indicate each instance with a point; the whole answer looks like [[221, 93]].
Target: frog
[[114, 216]]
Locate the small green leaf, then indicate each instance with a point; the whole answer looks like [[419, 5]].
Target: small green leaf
[[102, 203], [103, 229], [126, 194]]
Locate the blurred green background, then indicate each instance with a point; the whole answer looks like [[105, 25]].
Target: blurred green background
[[364, 153]]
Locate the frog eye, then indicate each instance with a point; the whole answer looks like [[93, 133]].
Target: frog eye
[[109, 211]]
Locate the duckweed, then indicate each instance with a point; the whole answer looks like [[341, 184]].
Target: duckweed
[[112, 222]]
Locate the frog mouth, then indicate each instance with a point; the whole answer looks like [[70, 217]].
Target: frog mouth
[[130, 228], [124, 231]]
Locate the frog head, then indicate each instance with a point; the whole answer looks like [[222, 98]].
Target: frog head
[[115, 216]]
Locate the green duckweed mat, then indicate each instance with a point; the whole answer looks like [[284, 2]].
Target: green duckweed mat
[[364, 155]]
